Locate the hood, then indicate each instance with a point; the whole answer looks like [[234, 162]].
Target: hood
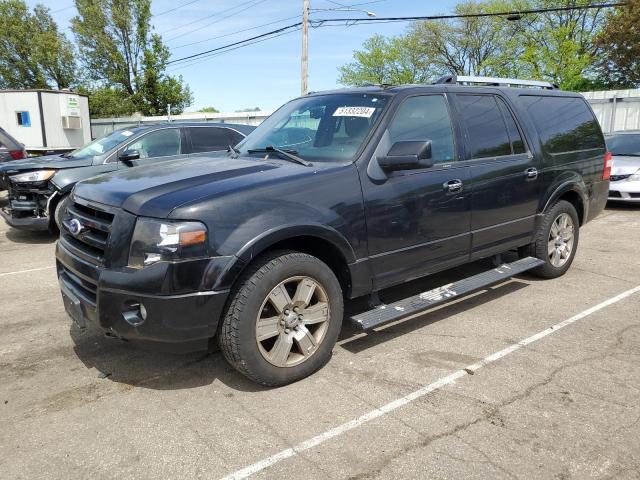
[[157, 190], [625, 165], [56, 162]]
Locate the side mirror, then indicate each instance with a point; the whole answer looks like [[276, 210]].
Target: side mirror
[[129, 155], [407, 155]]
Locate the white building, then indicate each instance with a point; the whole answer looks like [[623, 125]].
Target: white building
[[46, 120]]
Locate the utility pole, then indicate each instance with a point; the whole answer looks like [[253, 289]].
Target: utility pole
[[304, 73]]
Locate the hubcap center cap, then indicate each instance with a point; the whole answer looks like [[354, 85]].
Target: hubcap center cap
[[291, 320]]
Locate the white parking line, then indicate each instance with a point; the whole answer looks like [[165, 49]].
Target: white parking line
[[389, 407], [25, 271]]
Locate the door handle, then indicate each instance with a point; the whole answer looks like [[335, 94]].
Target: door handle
[[453, 186], [531, 173]]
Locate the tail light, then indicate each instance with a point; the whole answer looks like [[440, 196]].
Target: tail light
[[17, 154], [608, 163]]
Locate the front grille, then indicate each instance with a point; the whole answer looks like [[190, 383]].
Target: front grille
[[88, 291], [617, 178], [90, 243], [614, 194], [634, 195]]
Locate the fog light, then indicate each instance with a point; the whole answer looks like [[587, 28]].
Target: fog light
[[135, 315]]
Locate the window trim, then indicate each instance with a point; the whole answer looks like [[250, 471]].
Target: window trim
[[525, 142]]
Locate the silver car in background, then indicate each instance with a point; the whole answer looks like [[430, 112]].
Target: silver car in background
[[10, 148], [625, 173]]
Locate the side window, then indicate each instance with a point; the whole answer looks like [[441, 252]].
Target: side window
[[234, 137], [161, 143], [565, 124], [425, 118], [208, 139], [23, 119], [486, 130], [517, 144]]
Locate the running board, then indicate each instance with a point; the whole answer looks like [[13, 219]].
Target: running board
[[423, 301]]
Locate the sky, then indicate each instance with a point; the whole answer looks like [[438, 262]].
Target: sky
[[266, 74]]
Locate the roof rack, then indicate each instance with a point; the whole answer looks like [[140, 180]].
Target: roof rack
[[495, 82]]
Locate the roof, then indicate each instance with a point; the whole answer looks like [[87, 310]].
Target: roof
[[242, 128], [42, 90]]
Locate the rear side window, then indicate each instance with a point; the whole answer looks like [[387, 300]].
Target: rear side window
[[485, 125], [209, 139], [565, 124]]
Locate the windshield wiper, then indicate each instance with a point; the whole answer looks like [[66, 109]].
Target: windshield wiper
[[285, 154], [234, 153]]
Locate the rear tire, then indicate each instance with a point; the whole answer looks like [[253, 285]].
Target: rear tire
[[283, 318], [556, 240]]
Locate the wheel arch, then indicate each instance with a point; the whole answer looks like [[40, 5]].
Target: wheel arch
[[572, 192], [321, 241]]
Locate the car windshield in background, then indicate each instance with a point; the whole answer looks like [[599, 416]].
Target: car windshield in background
[[329, 128], [101, 146], [624, 144]]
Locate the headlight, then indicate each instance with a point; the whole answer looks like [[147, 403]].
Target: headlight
[[37, 176], [635, 177], [157, 240]]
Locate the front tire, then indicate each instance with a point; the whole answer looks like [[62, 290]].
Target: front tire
[[556, 240], [283, 318]]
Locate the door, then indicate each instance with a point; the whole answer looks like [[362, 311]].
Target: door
[[209, 139], [418, 220], [156, 146], [504, 175]]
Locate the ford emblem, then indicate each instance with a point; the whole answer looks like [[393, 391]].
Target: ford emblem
[[75, 227]]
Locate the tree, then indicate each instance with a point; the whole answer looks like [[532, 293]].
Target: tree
[[209, 110], [120, 51], [620, 42], [33, 52], [254, 109], [109, 102]]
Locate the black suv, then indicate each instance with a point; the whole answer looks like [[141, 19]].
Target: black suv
[[39, 187], [337, 194]]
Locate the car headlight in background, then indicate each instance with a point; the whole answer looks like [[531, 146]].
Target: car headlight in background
[[29, 177], [160, 240], [635, 177]]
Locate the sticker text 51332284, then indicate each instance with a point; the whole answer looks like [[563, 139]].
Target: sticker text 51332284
[[365, 112]]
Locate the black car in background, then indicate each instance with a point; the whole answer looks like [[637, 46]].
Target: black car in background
[[39, 187], [336, 195]]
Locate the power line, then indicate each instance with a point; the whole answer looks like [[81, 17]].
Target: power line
[[175, 8], [323, 22], [233, 33], [254, 2]]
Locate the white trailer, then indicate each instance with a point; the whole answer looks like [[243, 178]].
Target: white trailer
[[46, 120]]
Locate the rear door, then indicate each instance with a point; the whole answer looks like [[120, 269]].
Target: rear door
[[206, 139], [504, 174], [418, 220]]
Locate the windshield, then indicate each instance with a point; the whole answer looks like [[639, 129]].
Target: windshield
[[101, 145], [625, 144], [329, 128]]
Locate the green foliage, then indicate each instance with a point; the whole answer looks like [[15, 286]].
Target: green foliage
[[209, 110], [33, 52], [558, 46], [109, 102], [120, 51], [254, 109], [620, 43]]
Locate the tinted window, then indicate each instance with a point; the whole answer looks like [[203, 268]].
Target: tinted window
[[517, 145], [485, 126], [425, 118], [209, 139], [161, 143], [235, 137], [625, 144], [565, 124]]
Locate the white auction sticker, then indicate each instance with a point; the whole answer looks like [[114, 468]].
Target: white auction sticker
[[365, 112]]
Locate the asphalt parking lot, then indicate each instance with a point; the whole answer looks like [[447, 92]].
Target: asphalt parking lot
[[479, 388]]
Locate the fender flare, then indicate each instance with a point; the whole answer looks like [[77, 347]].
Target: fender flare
[[262, 242], [568, 186]]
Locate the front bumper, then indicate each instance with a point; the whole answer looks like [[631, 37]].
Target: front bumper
[[25, 223], [625, 191], [107, 297]]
